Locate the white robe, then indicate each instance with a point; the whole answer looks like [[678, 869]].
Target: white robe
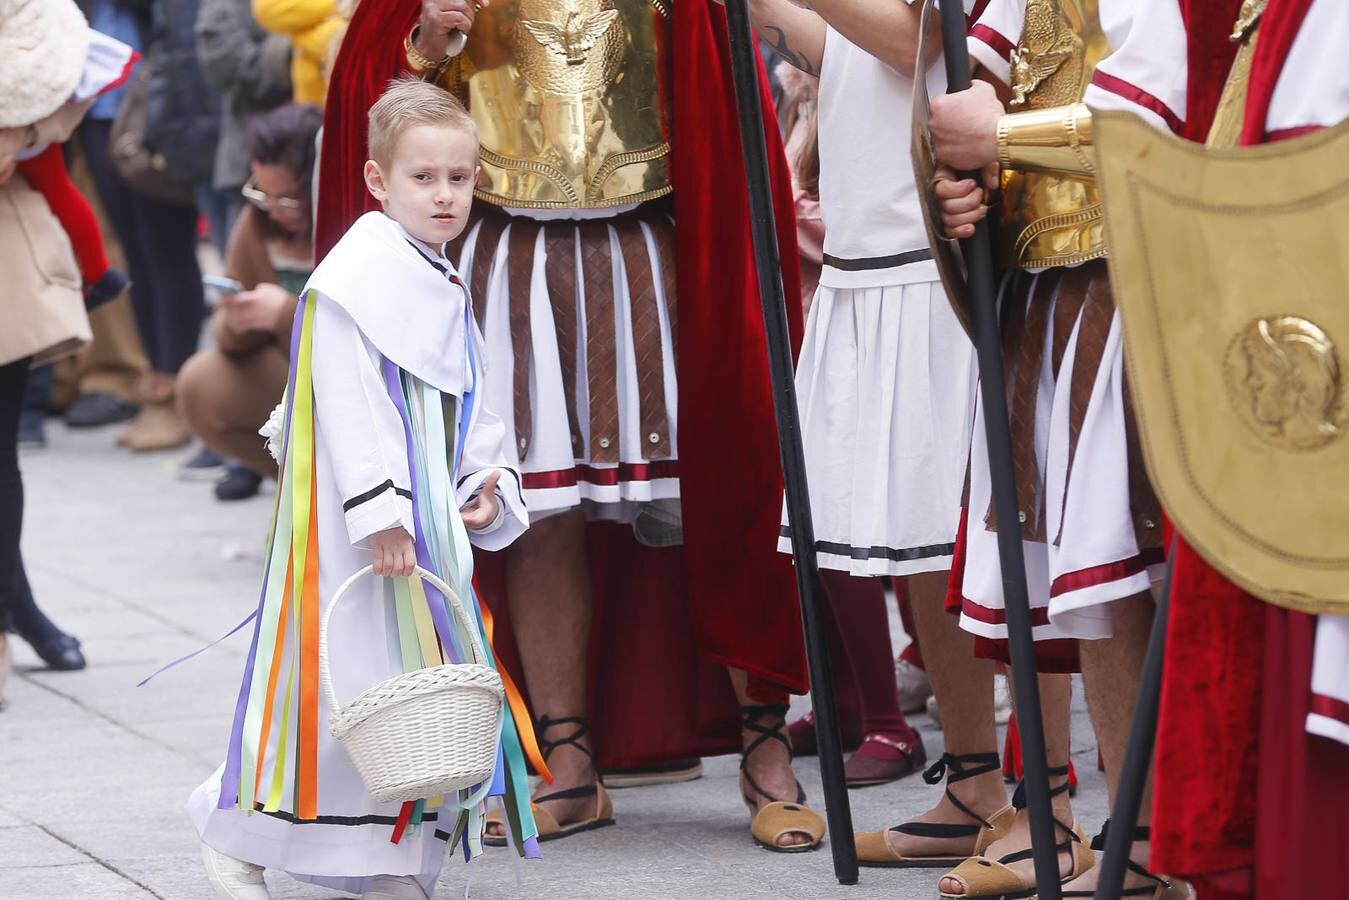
[[363, 486]]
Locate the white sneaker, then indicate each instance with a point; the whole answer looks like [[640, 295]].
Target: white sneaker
[[394, 887], [233, 879], [914, 687]]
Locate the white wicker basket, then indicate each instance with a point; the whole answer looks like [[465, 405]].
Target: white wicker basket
[[423, 733]]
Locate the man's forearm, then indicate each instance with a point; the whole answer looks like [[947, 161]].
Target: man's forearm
[[887, 29], [796, 34]]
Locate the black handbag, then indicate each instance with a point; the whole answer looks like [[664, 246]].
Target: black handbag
[[141, 168]]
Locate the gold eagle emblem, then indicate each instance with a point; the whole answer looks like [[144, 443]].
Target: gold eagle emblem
[[574, 39]]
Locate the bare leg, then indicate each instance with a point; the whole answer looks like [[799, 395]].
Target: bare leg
[[770, 764], [1111, 670], [1055, 700], [548, 581], [964, 687]]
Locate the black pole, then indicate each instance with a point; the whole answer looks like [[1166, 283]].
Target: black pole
[[745, 72], [987, 341], [1133, 777]]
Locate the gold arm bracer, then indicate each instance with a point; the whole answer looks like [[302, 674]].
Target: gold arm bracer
[[1056, 140]]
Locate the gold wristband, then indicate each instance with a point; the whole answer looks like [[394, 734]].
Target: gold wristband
[[415, 59], [1047, 140]]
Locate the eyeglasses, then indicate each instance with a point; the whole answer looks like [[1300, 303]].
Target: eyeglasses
[[264, 200]]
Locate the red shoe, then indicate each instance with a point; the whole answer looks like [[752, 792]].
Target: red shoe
[[884, 758], [802, 734]]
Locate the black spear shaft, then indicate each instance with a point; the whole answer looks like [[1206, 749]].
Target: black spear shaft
[[1133, 777], [745, 73], [987, 342]]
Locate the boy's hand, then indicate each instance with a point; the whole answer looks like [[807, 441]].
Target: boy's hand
[[392, 552], [483, 510]]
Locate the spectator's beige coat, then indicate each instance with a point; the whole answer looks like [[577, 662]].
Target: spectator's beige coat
[[41, 301]]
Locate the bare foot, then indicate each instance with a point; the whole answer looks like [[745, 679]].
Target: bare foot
[[1018, 839], [770, 765]]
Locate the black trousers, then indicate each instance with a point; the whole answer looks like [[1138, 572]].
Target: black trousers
[[160, 241], [13, 379]]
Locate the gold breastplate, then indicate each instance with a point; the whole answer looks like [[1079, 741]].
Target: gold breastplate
[[571, 100], [1048, 219]]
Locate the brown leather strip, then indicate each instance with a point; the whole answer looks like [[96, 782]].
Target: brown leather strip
[[560, 246], [484, 254], [1028, 365], [647, 348], [1143, 503], [601, 360], [1093, 331], [523, 235], [663, 230], [1016, 306]]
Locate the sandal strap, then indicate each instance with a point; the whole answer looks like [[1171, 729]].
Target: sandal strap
[[1019, 795], [937, 829], [1029, 852], [953, 768], [588, 790], [1141, 833], [581, 726], [750, 716], [750, 722]]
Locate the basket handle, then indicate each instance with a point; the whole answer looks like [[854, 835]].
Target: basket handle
[[456, 606]]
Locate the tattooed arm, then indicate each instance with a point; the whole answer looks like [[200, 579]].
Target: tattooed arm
[[796, 33], [887, 29]]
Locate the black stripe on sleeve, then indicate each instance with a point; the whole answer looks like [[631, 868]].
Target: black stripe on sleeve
[[375, 492]]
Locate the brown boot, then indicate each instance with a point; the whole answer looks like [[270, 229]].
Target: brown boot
[[157, 427]]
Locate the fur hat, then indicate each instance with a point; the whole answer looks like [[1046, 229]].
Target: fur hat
[[43, 48]]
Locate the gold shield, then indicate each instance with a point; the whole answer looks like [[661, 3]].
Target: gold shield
[[1230, 269], [950, 265]]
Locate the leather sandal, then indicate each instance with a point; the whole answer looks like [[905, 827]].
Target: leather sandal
[[994, 879], [773, 821], [550, 829], [874, 849], [1159, 889]]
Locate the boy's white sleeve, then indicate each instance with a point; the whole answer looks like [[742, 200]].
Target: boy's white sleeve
[[359, 428], [484, 453]]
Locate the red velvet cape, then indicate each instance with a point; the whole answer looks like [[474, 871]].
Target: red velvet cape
[[663, 617], [1242, 791]]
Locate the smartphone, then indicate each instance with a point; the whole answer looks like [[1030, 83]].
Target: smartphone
[[222, 284]]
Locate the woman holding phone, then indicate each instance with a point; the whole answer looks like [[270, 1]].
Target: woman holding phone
[[227, 392]]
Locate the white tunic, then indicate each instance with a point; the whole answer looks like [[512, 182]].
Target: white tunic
[[885, 378]]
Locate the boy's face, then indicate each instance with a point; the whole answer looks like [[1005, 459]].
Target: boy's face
[[427, 185]]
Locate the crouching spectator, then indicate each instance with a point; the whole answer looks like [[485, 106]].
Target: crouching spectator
[[227, 392]]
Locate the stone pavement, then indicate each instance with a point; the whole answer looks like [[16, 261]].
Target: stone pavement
[[94, 772]]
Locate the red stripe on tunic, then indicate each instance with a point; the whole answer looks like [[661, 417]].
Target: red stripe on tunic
[[1001, 45], [606, 477], [1104, 574], [1330, 707], [1136, 95], [990, 616]]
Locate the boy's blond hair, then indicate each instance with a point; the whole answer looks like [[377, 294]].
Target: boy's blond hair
[[407, 103]]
